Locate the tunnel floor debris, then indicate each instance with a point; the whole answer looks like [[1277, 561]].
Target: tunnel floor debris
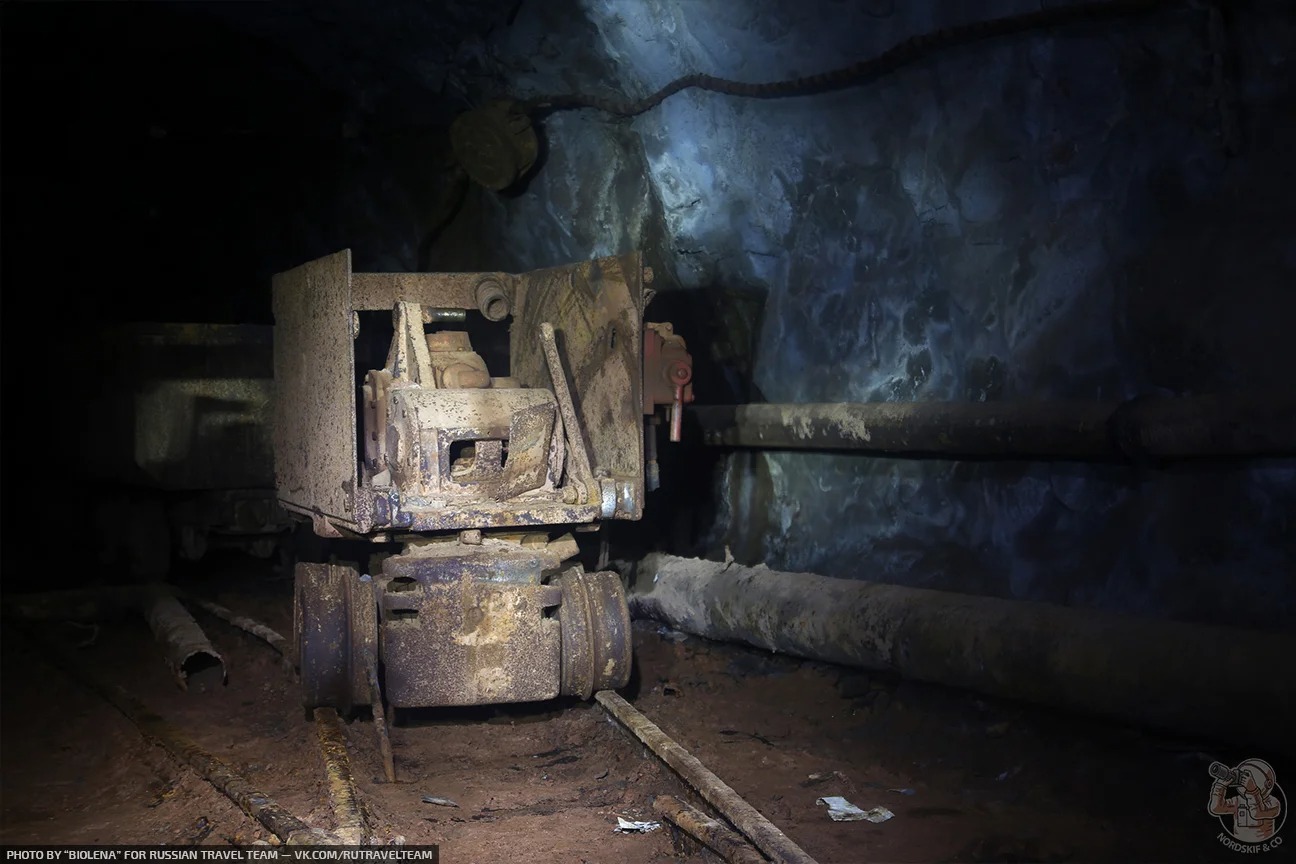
[[968, 779]]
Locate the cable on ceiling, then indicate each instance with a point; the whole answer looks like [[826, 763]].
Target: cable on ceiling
[[859, 72]]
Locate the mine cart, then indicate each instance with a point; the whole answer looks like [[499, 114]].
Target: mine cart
[[179, 450], [509, 410]]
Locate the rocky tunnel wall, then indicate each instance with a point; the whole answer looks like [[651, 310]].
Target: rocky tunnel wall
[[1088, 212], [1091, 211]]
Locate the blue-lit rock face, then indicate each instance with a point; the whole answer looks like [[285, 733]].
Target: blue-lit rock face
[[1046, 216], [593, 197]]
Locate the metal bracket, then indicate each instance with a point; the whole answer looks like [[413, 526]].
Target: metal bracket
[[578, 453]]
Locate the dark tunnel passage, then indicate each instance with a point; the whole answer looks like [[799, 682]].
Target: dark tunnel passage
[[985, 495]]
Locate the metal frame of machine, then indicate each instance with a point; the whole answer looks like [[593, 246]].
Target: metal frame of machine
[[432, 450]]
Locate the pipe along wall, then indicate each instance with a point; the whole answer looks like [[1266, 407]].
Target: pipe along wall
[[1209, 426], [1189, 678]]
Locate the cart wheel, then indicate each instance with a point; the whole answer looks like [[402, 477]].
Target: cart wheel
[[334, 628], [596, 639]]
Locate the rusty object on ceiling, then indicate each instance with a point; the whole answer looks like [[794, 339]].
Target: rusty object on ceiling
[[496, 143]]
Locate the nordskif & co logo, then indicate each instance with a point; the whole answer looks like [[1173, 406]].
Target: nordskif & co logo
[[1250, 805]]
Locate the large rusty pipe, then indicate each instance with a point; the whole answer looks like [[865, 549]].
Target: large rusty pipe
[[1222, 684], [1246, 425], [193, 661]]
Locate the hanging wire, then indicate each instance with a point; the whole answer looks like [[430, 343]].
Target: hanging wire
[[862, 71]]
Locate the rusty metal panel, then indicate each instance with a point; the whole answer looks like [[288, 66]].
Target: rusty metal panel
[[495, 515], [431, 420], [385, 509], [183, 407], [379, 291], [314, 366], [448, 561], [204, 433], [493, 645], [596, 309], [467, 626]]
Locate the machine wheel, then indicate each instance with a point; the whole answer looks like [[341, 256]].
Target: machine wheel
[[335, 630], [596, 642]]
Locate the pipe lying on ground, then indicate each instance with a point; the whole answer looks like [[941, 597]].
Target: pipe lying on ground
[[1147, 428], [99, 604], [256, 804], [191, 657], [746, 818], [261, 807], [711, 833], [248, 625], [1224, 684], [251, 626], [189, 654], [341, 784]]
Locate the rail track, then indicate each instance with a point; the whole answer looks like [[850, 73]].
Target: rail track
[[733, 829]]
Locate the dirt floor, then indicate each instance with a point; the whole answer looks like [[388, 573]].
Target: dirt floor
[[968, 779]]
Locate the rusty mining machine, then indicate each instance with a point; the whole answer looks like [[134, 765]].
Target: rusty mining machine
[[179, 456], [478, 476]]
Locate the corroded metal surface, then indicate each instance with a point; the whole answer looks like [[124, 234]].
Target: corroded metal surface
[[495, 143], [494, 299], [441, 434], [746, 818], [487, 515], [351, 828], [490, 560], [189, 654], [448, 447], [596, 310], [183, 407], [429, 422], [575, 616], [580, 471], [381, 291], [380, 713], [455, 365], [596, 640], [250, 626], [321, 637], [712, 833], [314, 362], [335, 630], [667, 373], [466, 625], [409, 360]]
